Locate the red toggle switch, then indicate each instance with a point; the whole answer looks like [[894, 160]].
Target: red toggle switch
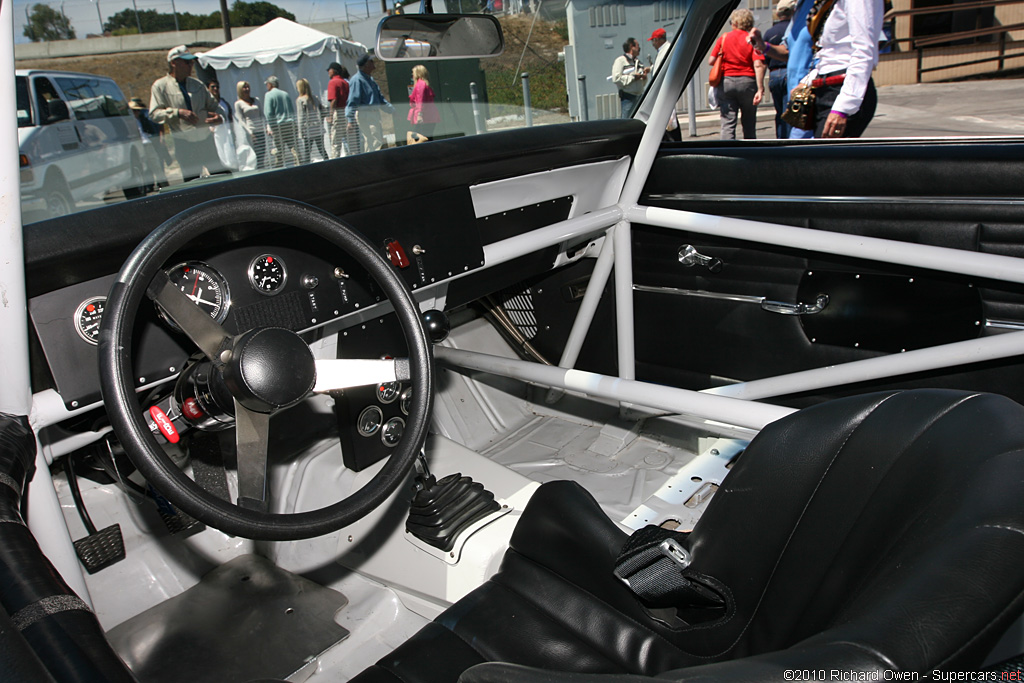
[[397, 254], [164, 424]]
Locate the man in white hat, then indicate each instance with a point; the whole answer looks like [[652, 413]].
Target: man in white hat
[[187, 107]]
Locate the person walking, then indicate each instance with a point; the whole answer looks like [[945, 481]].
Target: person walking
[[423, 114], [310, 119], [742, 86], [250, 119], [362, 113], [629, 76], [337, 99], [279, 111], [659, 39], [777, 78], [187, 108]]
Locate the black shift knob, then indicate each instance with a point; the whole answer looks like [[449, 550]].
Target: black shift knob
[[437, 325]]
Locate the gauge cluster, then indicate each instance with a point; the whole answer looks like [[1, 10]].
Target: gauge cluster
[[241, 288]]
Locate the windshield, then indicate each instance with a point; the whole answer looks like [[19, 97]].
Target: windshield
[[114, 120]]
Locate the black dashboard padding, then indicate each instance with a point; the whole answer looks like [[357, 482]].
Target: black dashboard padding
[[62, 251], [871, 533]]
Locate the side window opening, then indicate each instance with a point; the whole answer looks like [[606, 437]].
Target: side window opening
[[24, 102]]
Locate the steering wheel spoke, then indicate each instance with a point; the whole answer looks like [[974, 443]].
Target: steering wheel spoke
[[203, 330], [344, 373], [252, 431]]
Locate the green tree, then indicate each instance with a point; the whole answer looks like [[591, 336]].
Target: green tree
[[46, 23], [255, 13], [241, 14]]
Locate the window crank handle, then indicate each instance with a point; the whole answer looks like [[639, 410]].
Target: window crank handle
[[689, 257]]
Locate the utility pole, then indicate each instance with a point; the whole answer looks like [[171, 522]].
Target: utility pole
[[138, 22], [98, 15], [226, 20]]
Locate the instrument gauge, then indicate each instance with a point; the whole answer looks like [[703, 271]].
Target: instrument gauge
[[388, 391], [204, 286], [369, 421], [391, 433], [88, 317], [267, 274]]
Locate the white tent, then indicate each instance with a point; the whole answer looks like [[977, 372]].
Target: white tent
[[279, 48]]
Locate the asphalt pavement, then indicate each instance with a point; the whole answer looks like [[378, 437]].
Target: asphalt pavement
[[988, 108]]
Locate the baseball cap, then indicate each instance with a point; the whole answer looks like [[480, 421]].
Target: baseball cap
[[334, 65], [363, 59], [180, 52], [786, 6], [660, 33]]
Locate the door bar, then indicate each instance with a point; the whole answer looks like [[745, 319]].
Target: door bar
[[731, 411]]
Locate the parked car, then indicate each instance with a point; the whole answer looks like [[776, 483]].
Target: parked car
[[563, 403], [77, 141]]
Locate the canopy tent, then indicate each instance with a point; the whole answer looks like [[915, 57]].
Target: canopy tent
[[279, 48]]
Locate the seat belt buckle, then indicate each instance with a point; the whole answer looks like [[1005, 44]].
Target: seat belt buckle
[[668, 548], [675, 552]]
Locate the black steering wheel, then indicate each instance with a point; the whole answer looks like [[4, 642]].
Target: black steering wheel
[[265, 370]]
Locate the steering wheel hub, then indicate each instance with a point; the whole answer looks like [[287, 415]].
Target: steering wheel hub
[[269, 369]]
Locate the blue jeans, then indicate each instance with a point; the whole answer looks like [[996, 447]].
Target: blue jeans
[[780, 97], [627, 104]]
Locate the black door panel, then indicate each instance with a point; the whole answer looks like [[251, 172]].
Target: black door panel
[[883, 190]]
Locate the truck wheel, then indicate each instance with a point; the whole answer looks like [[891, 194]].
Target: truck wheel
[[58, 197]]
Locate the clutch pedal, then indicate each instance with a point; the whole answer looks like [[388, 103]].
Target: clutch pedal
[[99, 549]]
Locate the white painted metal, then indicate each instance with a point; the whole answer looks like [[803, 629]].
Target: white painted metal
[[343, 373], [591, 185], [991, 266], [588, 307], [556, 233], [625, 339], [15, 386], [46, 522], [669, 501], [656, 396], [891, 365]]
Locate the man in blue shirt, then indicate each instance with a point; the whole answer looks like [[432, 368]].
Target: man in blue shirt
[[797, 50], [777, 68], [365, 102], [279, 111]]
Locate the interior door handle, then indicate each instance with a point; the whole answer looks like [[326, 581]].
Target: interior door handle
[[796, 309]]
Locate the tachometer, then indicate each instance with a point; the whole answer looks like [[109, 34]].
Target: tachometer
[[88, 317], [204, 286], [267, 274]]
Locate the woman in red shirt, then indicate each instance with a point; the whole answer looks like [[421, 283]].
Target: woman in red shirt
[[742, 86]]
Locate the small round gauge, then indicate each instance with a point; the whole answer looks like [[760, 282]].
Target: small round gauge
[[204, 286], [406, 400], [88, 317], [388, 391], [369, 420], [392, 432], [267, 274]]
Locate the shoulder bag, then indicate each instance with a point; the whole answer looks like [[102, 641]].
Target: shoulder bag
[[715, 77]]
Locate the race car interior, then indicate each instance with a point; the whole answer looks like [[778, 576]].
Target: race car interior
[[562, 403]]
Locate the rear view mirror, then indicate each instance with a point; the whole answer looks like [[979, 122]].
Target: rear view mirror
[[419, 37]]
